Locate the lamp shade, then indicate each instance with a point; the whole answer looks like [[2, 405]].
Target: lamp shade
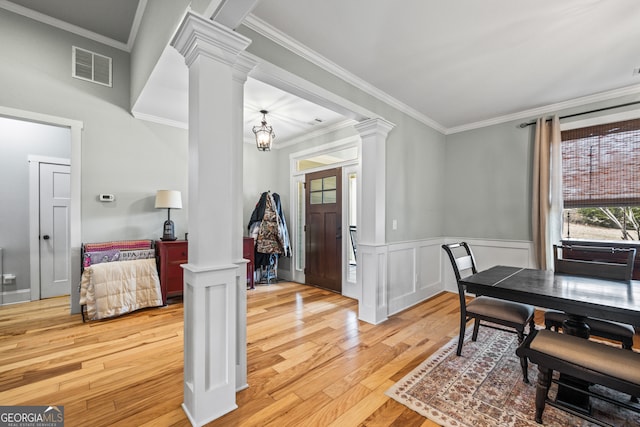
[[171, 199]]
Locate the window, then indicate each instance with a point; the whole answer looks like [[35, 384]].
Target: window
[[601, 181], [327, 159]]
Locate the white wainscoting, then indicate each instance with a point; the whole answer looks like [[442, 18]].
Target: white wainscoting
[[414, 273], [418, 270]]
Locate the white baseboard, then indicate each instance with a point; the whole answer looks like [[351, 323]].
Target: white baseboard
[[15, 297]]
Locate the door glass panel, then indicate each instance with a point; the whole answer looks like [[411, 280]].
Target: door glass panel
[[352, 210], [316, 185], [315, 198], [329, 196], [329, 183], [300, 228]]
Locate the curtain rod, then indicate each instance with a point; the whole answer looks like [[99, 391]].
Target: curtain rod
[[524, 125]]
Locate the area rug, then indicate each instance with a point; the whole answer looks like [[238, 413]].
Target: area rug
[[484, 387]]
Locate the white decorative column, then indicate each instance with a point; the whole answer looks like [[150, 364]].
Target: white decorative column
[[372, 248], [211, 321], [241, 69]]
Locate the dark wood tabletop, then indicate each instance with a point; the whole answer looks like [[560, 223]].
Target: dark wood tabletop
[[575, 295]]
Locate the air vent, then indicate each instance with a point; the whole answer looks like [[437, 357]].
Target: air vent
[[91, 66]]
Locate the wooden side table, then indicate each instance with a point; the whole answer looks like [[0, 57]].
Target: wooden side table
[[248, 253], [169, 256]]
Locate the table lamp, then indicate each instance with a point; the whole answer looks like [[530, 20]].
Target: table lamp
[[168, 199]]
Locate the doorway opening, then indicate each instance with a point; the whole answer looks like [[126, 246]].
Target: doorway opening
[[343, 154], [74, 138]]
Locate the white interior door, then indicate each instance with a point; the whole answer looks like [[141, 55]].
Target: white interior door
[[55, 202]]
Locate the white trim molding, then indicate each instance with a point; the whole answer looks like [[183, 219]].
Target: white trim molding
[[76, 174]]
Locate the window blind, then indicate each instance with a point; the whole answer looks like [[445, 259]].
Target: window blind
[[601, 165]]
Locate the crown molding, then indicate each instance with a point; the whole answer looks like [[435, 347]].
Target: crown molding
[[46, 19], [135, 26], [549, 109], [263, 28]]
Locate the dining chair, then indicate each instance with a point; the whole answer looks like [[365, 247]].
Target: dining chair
[[621, 270], [511, 315]]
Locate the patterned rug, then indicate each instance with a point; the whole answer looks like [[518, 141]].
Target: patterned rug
[[484, 387]]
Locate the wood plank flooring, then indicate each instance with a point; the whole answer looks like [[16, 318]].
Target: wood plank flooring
[[310, 361]]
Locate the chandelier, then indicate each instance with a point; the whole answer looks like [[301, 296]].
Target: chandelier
[[264, 134]]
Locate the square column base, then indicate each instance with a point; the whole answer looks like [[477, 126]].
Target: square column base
[[372, 279], [210, 316]]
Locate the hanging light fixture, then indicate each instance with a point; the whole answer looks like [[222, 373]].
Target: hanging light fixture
[[264, 134]]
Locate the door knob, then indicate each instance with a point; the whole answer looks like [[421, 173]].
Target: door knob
[[46, 237]]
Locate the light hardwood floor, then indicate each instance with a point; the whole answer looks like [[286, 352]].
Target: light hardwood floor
[[310, 361]]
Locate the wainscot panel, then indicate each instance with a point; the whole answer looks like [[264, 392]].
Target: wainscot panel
[[414, 273]]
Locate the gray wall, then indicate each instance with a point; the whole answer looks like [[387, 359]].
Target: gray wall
[[415, 180], [120, 155], [488, 183], [19, 140], [488, 176]]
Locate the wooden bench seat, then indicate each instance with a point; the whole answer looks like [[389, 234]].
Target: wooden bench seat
[[590, 361]]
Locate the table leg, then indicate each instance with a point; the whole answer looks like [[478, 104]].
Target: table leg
[[575, 325]]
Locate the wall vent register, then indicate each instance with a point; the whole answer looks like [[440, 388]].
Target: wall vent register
[[91, 66]]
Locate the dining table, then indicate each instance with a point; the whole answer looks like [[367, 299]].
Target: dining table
[[577, 296], [580, 297]]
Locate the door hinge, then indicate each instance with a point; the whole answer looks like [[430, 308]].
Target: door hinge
[[304, 227]]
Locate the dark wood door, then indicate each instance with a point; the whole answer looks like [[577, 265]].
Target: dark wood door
[[323, 229]]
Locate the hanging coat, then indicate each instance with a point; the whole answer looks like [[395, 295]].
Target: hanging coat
[[283, 226], [270, 239]]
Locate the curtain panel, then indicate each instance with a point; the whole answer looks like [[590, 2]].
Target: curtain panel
[[547, 190]]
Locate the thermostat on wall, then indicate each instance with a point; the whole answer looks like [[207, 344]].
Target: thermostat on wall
[[106, 197]]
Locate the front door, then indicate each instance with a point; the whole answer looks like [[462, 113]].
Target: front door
[[55, 201], [323, 229]]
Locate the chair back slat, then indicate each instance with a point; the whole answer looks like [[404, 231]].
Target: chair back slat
[[606, 270], [460, 261], [464, 263]]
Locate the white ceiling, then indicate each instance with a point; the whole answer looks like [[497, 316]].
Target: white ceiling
[[454, 65]]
